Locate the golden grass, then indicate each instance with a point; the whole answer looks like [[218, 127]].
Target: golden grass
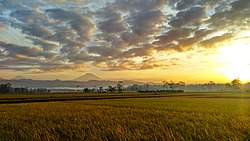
[[179, 118]]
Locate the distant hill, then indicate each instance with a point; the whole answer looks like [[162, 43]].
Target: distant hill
[[18, 78], [86, 81], [60, 83], [1, 78], [87, 77]]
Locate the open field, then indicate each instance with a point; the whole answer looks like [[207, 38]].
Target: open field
[[189, 116]]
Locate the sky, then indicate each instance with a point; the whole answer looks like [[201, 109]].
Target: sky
[[194, 41]]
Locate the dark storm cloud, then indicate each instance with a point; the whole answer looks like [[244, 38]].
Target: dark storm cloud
[[115, 32]]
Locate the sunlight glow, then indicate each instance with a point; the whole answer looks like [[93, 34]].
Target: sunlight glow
[[235, 59]]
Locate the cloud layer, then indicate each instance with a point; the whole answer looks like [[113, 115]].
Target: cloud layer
[[117, 34]]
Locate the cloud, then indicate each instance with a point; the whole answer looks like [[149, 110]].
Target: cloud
[[29, 16], [144, 23], [113, 25], [82, 25], [37, 30], [126, 64], [62, 15], [172, 35], [152, 63], [58, 68], [237, 16], [128, 5], [111, 34], [138, 52], [184, 4], [45, 44], [240, 4], [33, 59], [130, 38], [103, 51], [16, 50], [2, 27], [210, 43], [84, 28], [191, 16], [120, 65]]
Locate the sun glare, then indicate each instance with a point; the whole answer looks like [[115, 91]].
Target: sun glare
[[235, 60]]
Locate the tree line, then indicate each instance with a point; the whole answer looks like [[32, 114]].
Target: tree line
[[6, 89]]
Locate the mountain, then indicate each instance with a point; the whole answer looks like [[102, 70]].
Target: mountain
[[87, 77], [18, 78], [1, 78]]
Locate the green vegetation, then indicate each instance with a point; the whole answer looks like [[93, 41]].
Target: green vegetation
[[207, 116]]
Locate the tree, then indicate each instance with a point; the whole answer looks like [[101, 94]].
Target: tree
[[181, 84], [134, 87], [86, 90], [100, 89], [119, 86], [5, 88], [147, 86], [210, 84], [165, 84], [111, 89], [236, 83], [228, 86], [171, 85], [77, 88]]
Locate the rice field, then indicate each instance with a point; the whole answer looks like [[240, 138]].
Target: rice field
[[186, 117]]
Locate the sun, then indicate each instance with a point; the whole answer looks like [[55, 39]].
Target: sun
[[235, 60]]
